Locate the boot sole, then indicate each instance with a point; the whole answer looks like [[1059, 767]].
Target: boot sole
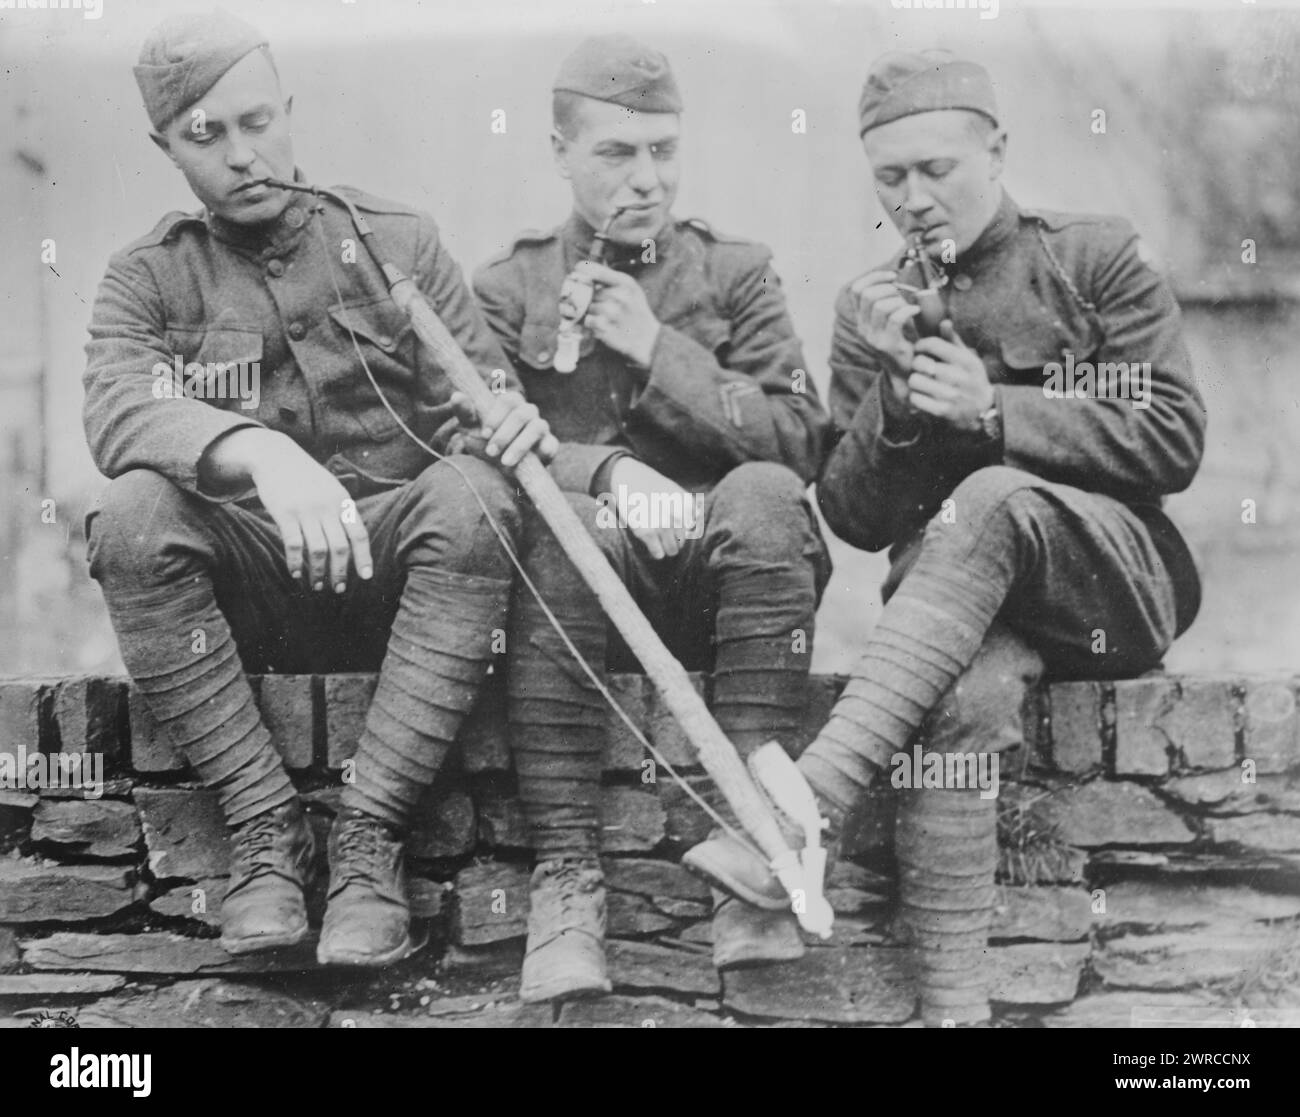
[[756, 958], [560, 992], [711, 873], [368, 961]]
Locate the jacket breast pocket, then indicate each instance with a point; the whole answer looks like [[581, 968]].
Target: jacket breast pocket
[[221, 366], [538, 339], [1031, 359], [381, 331]]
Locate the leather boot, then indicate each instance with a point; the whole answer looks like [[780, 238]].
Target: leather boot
[[272, 864], [368, 917], [744, 935], [565, 954]]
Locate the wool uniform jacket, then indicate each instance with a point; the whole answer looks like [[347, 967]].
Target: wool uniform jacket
[[726, 384], [1035, 287], [285, 300]]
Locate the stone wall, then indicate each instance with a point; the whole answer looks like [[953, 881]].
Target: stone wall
[[1150, 864]]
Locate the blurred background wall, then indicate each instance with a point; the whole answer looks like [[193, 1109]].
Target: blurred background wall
[[1199, 150]]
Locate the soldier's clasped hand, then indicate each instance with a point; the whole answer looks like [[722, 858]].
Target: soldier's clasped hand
[[949, 380], [508, 430]]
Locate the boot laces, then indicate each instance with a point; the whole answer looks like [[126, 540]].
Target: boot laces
[[364, 851], [568, 884], [255, 844]]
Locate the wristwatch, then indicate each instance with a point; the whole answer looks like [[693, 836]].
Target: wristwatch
[[991, 422]]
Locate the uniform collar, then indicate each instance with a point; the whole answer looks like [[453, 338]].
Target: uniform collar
[[271, 238], [578, 236], [995, 234]]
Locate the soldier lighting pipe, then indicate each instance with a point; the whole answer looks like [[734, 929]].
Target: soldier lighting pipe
[[717, 753]]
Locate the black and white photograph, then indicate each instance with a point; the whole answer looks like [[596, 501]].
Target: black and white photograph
[[596, 514]]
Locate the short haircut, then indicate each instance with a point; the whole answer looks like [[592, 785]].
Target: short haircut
[[566, 112]]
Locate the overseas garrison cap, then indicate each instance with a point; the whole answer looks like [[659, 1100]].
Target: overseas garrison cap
[[619, 69], [186, 55], [904, 82]]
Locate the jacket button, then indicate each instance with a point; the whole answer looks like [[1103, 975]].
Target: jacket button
[[293, 217], [963, 282], [276, 268], [297, 331], [385, 342]]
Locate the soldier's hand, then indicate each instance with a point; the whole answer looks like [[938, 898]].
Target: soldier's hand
[[883, 315], [949, 380], [657, 494], [620, 316], [318, 521], [508, 431]]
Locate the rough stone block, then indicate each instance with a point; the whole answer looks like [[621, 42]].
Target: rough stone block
[[1141, 749], [158, 952], [491, 903], [1203, 725], [631, 821], [1076, 716], [663, 731], [501, 822], [1184, 959], [1156, 905], [286, 705], [484, 741], [59, 985], [1273, 833], [347, 700], [88, 827], [623, 752], [200, 900], [184, 833], [8, 948], [24, 714], [151, 751], [205, 1003], [1164, 723], [89, 714], [631, 915], [1135, 1009], [1234, 791], [643, 965], [1036, 973], [852, 985], [1271, 728], [444, 824], [509, 1014], [61, 893], [653, 879], [685, 822], [1105, 812], [494, 959], [1051, 914], [634, 1012]]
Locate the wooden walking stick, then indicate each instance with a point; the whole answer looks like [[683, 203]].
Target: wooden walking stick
[[717, 753]]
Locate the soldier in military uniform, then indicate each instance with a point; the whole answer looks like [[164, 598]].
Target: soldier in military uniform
[[689, 386], [309, 534], [1025, 529]]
